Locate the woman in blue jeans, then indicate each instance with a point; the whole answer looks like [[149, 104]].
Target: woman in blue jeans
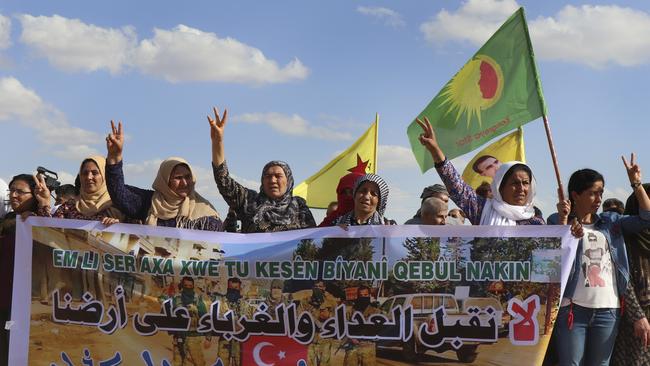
[[591, 307]]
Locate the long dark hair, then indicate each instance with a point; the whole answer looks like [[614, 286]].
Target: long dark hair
[[582, 180]]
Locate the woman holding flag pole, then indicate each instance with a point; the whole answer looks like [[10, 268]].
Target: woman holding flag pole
[[599, 280], [513, 188]]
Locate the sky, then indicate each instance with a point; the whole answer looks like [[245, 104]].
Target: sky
[[302, 80]]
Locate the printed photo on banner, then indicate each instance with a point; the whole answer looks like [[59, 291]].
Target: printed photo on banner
[[149, 296]]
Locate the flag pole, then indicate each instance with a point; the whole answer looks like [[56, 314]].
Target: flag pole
[[550, 293], [543, 107], [553, 157]]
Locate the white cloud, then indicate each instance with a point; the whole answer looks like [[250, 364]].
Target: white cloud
[[182, 54], [388, 16], [293, 125], [23, 105], [72, 45], [594, 35], [395, 157], [76, 152], [5, 32], [144, 171], [65, 177], [189, 54], [474, 22]]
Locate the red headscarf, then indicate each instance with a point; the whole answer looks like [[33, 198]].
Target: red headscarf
[[345, 202]]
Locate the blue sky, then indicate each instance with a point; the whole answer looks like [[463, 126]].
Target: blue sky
[[302, 80]]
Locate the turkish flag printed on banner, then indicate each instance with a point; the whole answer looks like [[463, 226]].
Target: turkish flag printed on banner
[[277, 351]]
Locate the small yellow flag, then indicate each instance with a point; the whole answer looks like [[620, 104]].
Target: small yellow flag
[[320, 189], [484, 165]]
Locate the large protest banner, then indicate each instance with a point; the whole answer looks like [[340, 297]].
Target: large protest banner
[[141, 295]]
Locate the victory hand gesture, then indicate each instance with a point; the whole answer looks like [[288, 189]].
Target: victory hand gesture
[[428, 137], [217, 124], [428, 140], [41, 192], [633, 169], [115, 143]]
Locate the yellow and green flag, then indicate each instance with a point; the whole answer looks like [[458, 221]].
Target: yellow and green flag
[[496, 91], [483, 166], [320, 189]]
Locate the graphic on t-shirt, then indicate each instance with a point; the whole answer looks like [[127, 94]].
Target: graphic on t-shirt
[[596, 261]]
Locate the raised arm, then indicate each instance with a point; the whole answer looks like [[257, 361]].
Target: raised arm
[[429, 141], [132, 201], [42, 195], [217, 126], [460, 192], [634, 174], [634, 224], [115, 144], [235, 195]]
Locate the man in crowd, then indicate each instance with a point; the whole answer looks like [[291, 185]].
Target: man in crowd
[[275, 298], [486, 166], [230, 350], [437, 190], [321, 307], [433, 211], [188, 345], [361, 352], [613, 205]]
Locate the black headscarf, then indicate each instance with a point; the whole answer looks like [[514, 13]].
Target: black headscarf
[[282, 211]]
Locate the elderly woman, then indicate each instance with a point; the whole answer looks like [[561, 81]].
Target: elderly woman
[[94, 202], [513, 189], [173, 202], [22, 203], [370, 197], [274, 208]]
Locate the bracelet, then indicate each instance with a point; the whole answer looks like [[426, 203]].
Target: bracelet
[[635, 184]]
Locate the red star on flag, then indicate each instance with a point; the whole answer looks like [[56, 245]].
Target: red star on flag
[[361, 166]]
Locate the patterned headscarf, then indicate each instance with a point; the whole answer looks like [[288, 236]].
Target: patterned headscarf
[[281, 211], [377, 217]]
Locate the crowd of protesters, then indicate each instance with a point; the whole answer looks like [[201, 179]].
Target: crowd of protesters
[[604, 313]]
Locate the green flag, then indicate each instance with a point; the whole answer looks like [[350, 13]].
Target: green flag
[[496, 91]]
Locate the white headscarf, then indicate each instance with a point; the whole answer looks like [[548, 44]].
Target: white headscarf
[[498, 212]]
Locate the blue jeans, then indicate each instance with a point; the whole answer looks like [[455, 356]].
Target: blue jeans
[[591, 340]]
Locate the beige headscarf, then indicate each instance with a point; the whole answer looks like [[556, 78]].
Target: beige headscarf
[[165, 204], [90, 204]]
